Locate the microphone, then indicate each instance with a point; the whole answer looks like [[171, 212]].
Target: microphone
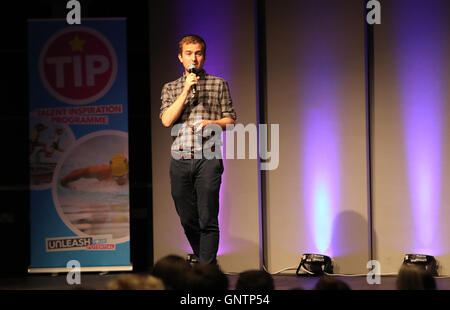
[[191, 69]]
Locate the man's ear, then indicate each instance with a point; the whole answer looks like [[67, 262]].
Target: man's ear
[[180, 58]]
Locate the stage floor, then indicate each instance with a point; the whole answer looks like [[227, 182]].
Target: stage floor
[[96, 281]]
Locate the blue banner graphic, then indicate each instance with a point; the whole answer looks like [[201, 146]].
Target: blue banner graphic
[[78, 137]]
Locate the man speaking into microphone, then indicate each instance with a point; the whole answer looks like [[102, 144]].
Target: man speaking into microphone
[[192, 102]]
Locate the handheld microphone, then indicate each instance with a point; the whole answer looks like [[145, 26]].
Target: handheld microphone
[[191, 69]]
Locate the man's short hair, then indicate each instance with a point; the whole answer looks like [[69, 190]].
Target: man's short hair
[[191, 39]]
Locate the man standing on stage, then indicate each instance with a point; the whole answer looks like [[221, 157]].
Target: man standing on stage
[[195, 101]]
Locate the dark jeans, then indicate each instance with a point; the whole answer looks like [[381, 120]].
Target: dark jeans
[[195, 186]]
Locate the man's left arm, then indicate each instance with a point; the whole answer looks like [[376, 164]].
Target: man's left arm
[[226, 106], [223, 122]]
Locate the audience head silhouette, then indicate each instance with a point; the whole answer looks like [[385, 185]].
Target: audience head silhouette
[[206, 277], [255, 280], [412, 277], [135, 282], [172, 270], [326, 283]]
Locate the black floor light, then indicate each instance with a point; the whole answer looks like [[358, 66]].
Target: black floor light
[[426, 262], [314, 265]]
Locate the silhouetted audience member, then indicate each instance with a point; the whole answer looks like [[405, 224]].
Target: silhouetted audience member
[[135, 282], [429, 283], [411, 277], [172, 270], [326, 283], [206, 277], [255, 280], [80, 287]]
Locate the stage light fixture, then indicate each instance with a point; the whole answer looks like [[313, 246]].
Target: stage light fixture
[[426, 262], [314, 265]]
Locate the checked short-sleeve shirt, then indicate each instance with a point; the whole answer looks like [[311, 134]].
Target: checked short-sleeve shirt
[[212, 101]]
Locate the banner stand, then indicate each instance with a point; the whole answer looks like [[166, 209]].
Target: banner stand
[[78, 154], [82, 269]]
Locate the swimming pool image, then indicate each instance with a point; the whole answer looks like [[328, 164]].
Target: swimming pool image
[[92, 202]]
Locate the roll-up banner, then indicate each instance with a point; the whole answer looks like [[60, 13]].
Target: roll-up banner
[[78, 135]]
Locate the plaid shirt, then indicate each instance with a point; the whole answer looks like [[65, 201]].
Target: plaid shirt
[[212, 101]]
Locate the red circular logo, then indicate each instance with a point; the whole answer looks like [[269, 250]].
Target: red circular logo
[[78, 65]]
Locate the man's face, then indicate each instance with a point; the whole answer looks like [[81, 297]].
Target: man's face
[[192, 53]]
